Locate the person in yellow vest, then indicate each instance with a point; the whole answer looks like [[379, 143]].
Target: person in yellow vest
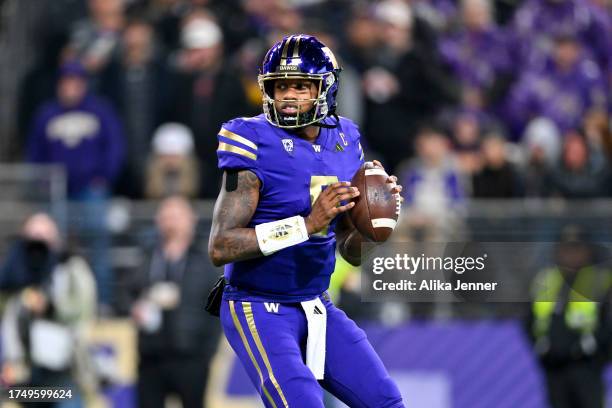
[[569, 323]]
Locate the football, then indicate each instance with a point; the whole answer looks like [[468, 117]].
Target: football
[[377, 209]]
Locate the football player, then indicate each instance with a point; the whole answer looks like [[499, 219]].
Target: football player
[[277, 220]]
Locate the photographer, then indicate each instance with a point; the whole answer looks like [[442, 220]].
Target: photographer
[[52, 298], [33, 256]]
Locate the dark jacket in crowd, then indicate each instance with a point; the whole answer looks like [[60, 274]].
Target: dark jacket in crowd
[[175, 353], [187, 329], [590, 182], [503, 182]]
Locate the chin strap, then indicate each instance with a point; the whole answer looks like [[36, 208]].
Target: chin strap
[[326, 126]]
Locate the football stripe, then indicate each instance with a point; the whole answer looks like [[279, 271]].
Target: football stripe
[[384, 222], [285, 50], [296, 47], [375, 172]]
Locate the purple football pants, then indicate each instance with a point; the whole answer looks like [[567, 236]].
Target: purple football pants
[[272, 348]]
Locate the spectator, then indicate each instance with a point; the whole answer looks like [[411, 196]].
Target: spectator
[[207, 92], [362, 42], [239, 26], [167, 15], [598, 131], [580, 174], [272, 17], [247, 57], [497, 178], [176, 339], [563, 91], [44, 324], [538, 22], [172, 170], [95, 40], [433, 189], [466, 139], [542, 145], [350, 95], [479, 56], [83, 133], [405, 85], [137, 84], [543, 140], [440, 14]]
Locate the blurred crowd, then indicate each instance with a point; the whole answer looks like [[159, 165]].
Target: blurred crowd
[[485, 99], [489, 99]]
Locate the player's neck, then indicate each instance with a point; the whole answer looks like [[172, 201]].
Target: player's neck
[[308, 133]]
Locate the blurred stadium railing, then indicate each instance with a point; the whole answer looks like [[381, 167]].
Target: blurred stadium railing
[[25, 189]]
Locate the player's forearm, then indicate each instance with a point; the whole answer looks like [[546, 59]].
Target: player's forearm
[[236, 244]]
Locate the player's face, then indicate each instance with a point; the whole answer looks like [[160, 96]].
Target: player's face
[[294, 95]]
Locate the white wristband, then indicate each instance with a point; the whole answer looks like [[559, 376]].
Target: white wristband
[[276, 235]]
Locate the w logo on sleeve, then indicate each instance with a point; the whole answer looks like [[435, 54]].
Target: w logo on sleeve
[[272, 307]]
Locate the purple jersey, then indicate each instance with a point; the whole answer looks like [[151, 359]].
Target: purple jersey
[[293, 172]]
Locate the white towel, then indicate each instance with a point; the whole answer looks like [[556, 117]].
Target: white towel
[[316, 314]]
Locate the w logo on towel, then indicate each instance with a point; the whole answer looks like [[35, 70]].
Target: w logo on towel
[[272, 307], [317, 310]]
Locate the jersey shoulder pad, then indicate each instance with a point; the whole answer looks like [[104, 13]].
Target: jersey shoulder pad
[[349, 128], [238, 145], [352, 135]]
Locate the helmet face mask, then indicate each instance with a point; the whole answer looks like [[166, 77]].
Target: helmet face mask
[[310, 110], [310, 60]]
